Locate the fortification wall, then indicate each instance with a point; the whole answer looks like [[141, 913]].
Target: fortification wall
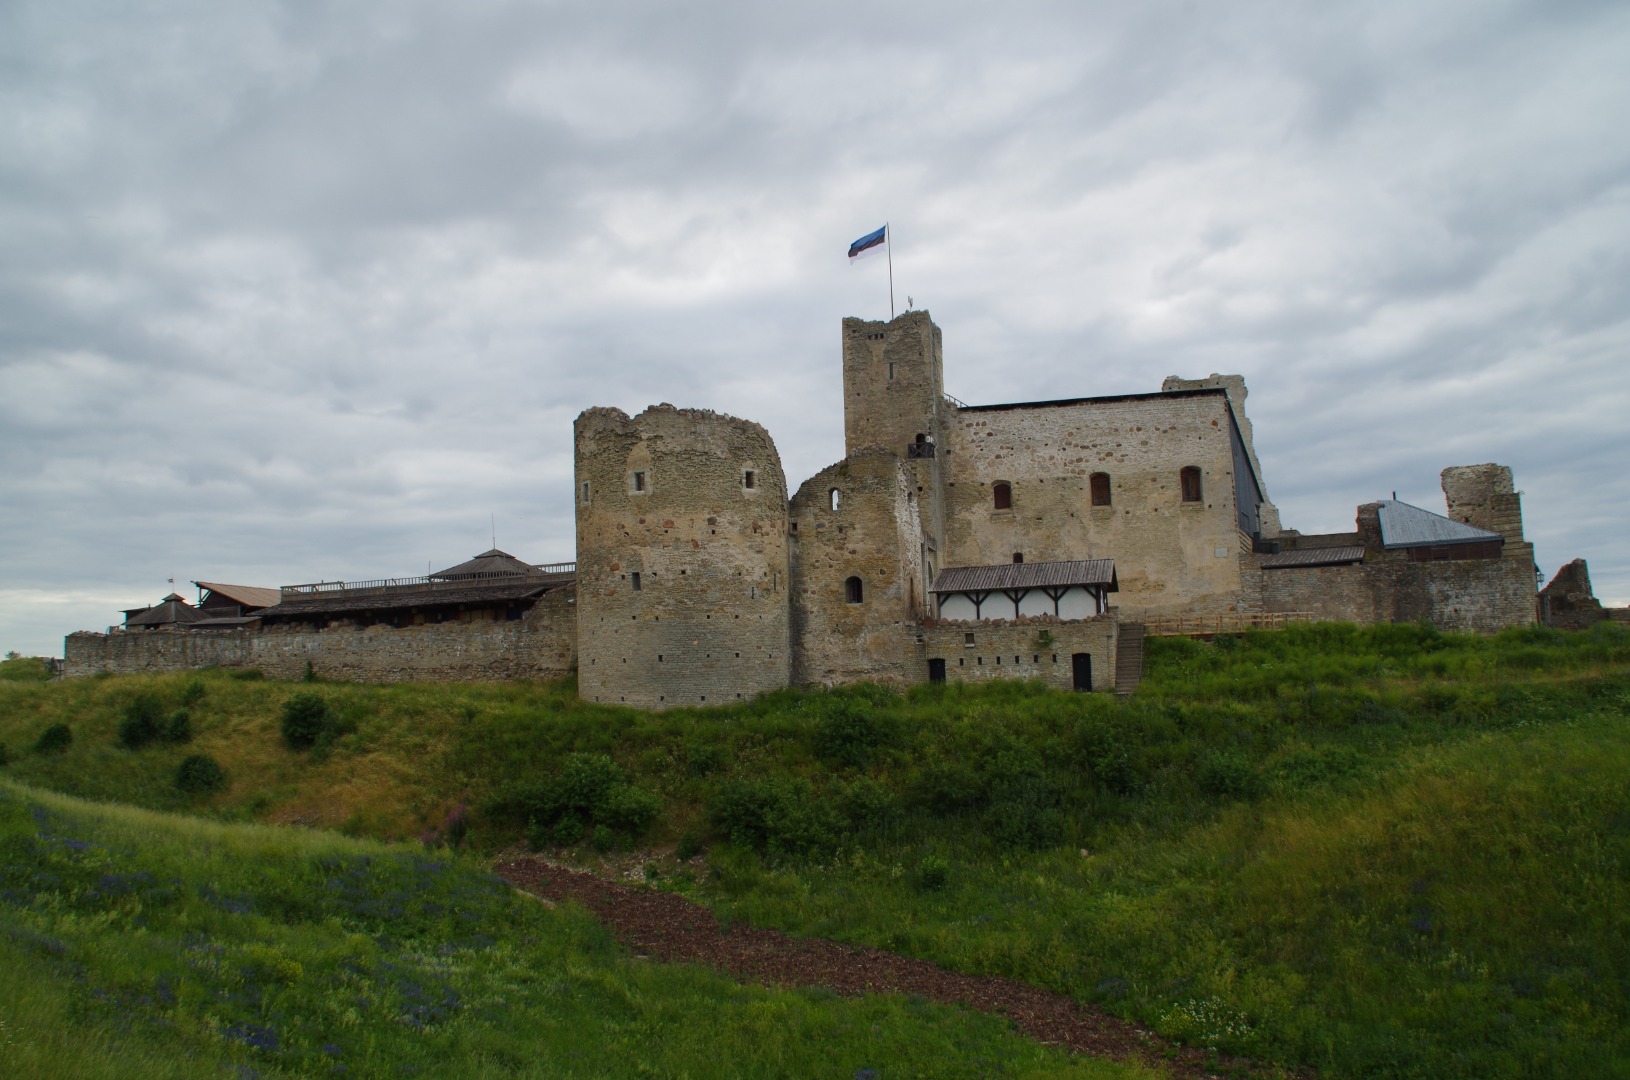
[[1018, 650], [540, 645], [681, 558], [1484, 496], [141, 652], [1170, 555], [845, 632], [1569, 602]]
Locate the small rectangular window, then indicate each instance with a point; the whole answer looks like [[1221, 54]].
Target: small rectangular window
[[635, 578], [749, 479], [585, 491], [639, 481]]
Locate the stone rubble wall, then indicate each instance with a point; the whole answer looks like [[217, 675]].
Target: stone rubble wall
[[1019, 650], [541, 645], [708, 623]]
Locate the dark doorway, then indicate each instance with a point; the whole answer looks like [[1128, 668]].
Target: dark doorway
[[1083, 670], [936, 671]]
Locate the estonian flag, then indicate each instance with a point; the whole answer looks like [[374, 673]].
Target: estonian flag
[[868, 244]]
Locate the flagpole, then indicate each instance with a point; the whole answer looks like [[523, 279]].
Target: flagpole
[[888, 242]]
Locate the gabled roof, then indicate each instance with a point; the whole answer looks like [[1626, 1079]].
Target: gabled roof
[[1303, 557], [250, 596], [488, 562], [1404, 526], [1044, 575]]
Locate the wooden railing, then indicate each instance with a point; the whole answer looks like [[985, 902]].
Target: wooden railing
[[1231, 623], [424, 583]]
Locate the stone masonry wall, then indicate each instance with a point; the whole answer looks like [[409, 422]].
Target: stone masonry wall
[[541, 645], [681, 561], [1017, 650], [873, 535], [1170, 556]]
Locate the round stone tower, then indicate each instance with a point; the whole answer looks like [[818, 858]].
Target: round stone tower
[[682, 595]]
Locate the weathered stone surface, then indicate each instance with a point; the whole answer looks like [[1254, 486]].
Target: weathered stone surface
[[1568, 602], [681, 558], [1041, 648]]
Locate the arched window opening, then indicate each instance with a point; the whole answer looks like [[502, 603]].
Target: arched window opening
[[1003, 493], [1100, 489], [1190, 477], [853, 592], [834, 498]]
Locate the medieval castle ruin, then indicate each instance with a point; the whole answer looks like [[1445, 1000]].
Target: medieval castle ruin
[[951, 542]]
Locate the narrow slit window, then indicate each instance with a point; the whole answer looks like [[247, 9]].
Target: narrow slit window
[[749, 479], [834, 498], [853, 591], [1190, 478], [1100, 489], [639, 481], [1003, 496], [585, 492], [635, 579]]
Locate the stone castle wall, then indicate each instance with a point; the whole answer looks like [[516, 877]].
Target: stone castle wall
[[1018, 650], [541, 645], [874, 536], [1170, 556], [682, 572]]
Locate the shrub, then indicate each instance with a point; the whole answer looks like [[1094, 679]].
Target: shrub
[[627, 809], [1229, 774], [780, 818], [588, 792], [193, 692], [603, 839], [850, 734], [178, 728], [305, 719], [54, 739], [690, 846], [702, 758], [866, 806], [5, 755], [933, 873], [141, 722], [199, 773]]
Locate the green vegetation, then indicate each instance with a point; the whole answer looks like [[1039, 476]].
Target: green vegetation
[[137, 945], [1378, 851]]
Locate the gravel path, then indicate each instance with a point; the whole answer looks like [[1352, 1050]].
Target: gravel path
[[669, 927]]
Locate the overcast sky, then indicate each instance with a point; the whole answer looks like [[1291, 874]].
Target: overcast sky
[[300, 291]]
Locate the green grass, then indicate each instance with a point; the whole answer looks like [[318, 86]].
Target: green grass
[[143, 945], [1377, 851]]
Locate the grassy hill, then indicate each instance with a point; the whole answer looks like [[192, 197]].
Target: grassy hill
[[139, 945], [1384, 851]]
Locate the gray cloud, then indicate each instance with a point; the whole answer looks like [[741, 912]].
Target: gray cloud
[[293, 292]]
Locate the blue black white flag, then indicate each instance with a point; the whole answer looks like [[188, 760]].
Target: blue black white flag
[[869, 244]]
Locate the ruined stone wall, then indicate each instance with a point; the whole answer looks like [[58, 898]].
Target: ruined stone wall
[[1018, 650], [1170, 556], [138, 652], [875, 536], [1472, 594], [540, 645], [1483, 496], [666, 496], [1569, 602]]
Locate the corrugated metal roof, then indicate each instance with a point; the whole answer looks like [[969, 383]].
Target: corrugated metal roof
[[1403, 526], [1026, 576], [1330, 556], [250, 596]]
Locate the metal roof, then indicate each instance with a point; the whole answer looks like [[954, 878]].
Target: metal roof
[[250, 596], [1404, 526], [1330, 556], [169, 612], [1040, 575]]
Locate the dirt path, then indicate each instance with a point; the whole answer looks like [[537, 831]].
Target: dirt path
[[669, 927]]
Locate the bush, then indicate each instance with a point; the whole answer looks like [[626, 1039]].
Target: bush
[[141, 722], [178, 728], [690, 846], [589, 792], [1229, 774], [780, 818], [54, 739], [5, 755], [850, 734], [199, 773], [933, 873], [193, 692], [305, 720]]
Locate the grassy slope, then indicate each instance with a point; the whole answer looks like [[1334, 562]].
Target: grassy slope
[[143, 945], [1381, 852]]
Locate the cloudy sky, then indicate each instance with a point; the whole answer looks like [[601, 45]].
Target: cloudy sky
[[294, 291]]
